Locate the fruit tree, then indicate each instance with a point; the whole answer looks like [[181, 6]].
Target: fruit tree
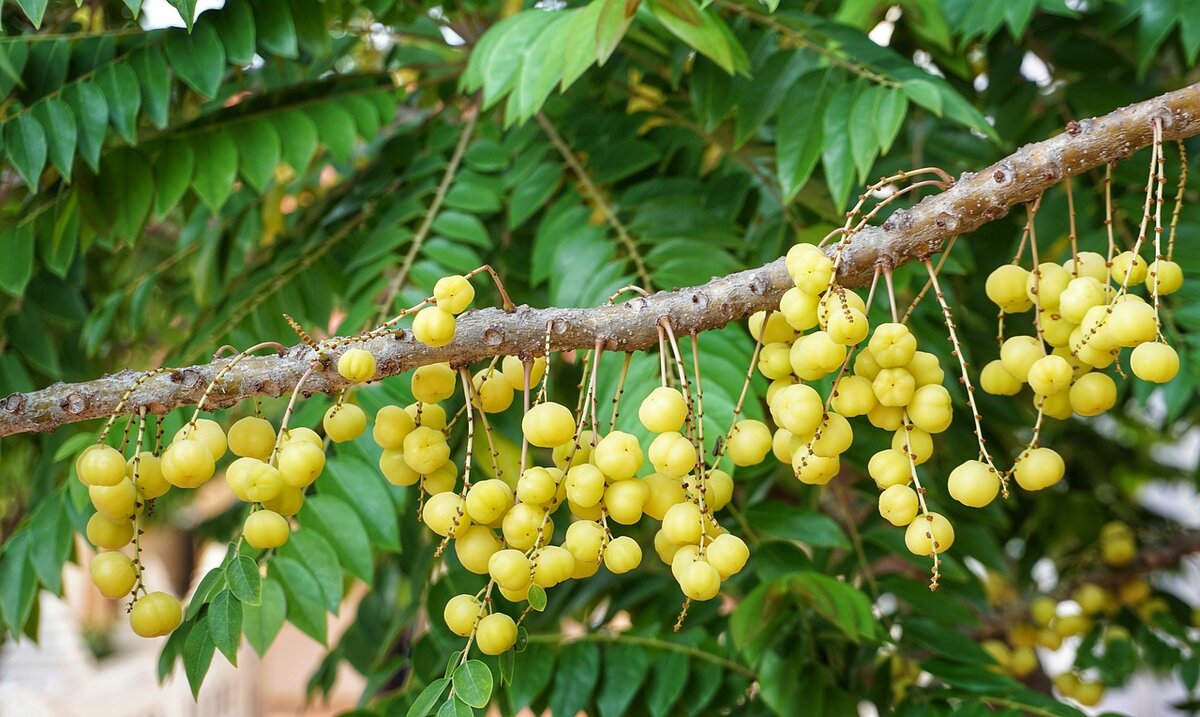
[[626, 357]]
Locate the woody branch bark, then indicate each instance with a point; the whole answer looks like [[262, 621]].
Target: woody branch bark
[[907, 235]]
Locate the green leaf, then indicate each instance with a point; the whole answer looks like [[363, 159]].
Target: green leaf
[[540, 71], [154, 79], [836, 601], [235, 26], [119, 83], [127, 190], [428, 698], [244, 580], [625, 669], [261, 623], [50, 546], [25, 142], [308, 548], [258, 149], [18, 582], [34, 10], [508, 665], [335, 126], [17, 243], [187, 11], [799, 137], [47, 66], [537, 597], [532, 194], [299, 139], [455, 708], [171, 650], [836, 157], [312, 32], [29, 335], [198, 652], [366, 119], [613, 20], [305, 600], [216, 167], [173, 171], [581, 36], [758, 99], [501, 63], [863, 141], [276, 30], [225, 624], [788, 522], [363, 487], [707, 37], [198, 58], [337, 521], [576, 677], [473, 683], [213, 581], [670, 677], [926, 94], [91, 115], [58, 120], [889, 118], [463, 227], [533, 672]]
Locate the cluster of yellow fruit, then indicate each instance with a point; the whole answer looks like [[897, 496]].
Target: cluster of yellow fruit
[[898, 388], [1085, 321], [435, 325]]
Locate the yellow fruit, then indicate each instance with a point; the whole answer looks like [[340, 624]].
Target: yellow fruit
[[392, 426], [254, 481], [1043, 610], [116, 501], [289, 501], [1005, 286], [548, 425], [1092, 598], [915, 441], [433, 383], [664, 410], [100, 465], [453, 293], [774, 361], [917, 536], [356, 365], [429, 415], [553, 565], [622, 555], [700, 581], [113, 574], [682, 524], [816, 355], [293, 436], [1128, 265], [718, 489], [1132, 323], [893, 387], [848, 327], [624, 500], [1165, 277], [853, 396], [475, 547], [899, 505], [252, 437], [155, 615], [585, 485], [776, 329], [1089, 694], [1045, 286], [749, 443], [1080, 296], [930, 409], [1018, 354], [584, 539], [1038, 468], [536, 485], [425, 449], [1154, 362], [187, 464], [300, 463], [1088, 263], [618, 455], [521, 523], [460, 614], [1093, 394], [973, 483], [865, 365], [266, 529], [396, 469], [441, 480], [835, 437], [495, 634], [150, 482], [814, 469], [208, 432], [672, 455], [728, 554], [799, 409], [663, 493], [1023, 662], [578, 452], [344, 423], [799, 310], [996, 380], [433, 326], [488, 501], [892, 345], [809, 267], [1050, 375], [926, 369], [888, 468], [109, 533], [514, 371]]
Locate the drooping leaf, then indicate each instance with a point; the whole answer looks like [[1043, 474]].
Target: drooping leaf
[[34, 10], [58, 120], [198, 58], [362, 486], [119, 83], [344, 530], [625, 669], [91, 115], [261, 623], [25, 142], [244, 580], [577, 674], [127, 191], [215, 167], [275, 30], [428, 697], [235, 25], [197, 655], [187, 11], [799, 138], [305, 600], [308, 548], [335, 126], [172, 175], [299, 139], [788, 522], [154, 80], [258, 147], [224, 619], [836, 157], [473, 683]]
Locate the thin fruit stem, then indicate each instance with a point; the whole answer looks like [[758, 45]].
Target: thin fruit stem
[[1071, 233], [526, 368], [508, 305], [925, 289], [912, 469], [616, 402], [964, 376], [120, 407], [1183, 177], [139, 507], [1032, 210], [287, 414]]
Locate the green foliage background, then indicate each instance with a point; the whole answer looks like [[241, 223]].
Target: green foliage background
[[165, 192]]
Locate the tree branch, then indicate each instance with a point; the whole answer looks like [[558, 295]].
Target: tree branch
[[907, 236]]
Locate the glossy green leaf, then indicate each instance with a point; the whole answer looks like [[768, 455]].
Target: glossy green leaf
[[154, 81], [473, 683], [580, 50], [235, 25], [224, 618], [790, 523], [366, 118], [926, 94], [537, 597], [836, 157], [463, 227], [119, 83], [758, 99], [197, 655], [361, 485], [612, 20], [261, 623], [842, 604], [127, 190], [299, 139], [532, 194], [259, 151], [625, 669], [91, 115], [47, 66], [34, 10], [244, 580], [198, 58], [499, 68], [534, 670], [337, 521], [58, 120], [276, 31], [800, 136], [889, 118], [540, 70], [173, 171], [187, 11], [670, 677], [428, 697], [707, 36], [215, 167], [25, 143], [336, 128], [455, 708], [864, 142], [50, 543], [212, 582], [305, 600], [576, 676], [308, 548]]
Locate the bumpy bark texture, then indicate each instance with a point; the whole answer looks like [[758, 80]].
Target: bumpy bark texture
[[907, 235]]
